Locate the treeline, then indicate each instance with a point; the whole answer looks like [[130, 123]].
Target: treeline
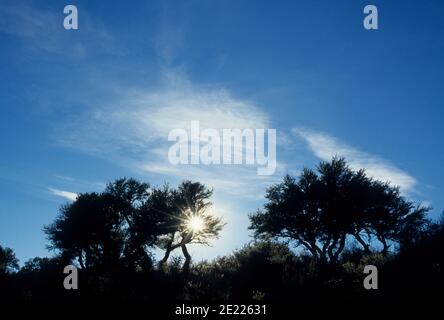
[[313, 238]]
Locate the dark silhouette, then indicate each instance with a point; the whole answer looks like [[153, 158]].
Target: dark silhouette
[[190, 200], [8, 261], [117, 228], [8, 264], [322, 209], [342, 219]]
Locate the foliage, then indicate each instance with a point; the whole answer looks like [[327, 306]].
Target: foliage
[[343, 219], [191, 199], [321, 210], [117, 228], [8, 261]]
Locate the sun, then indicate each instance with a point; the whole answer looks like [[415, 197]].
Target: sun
[[195, 224]]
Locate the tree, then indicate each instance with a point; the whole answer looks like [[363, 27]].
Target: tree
[[98, 228], [118, 228], [140, 227], [8, 261], [323, 209], [188, 220], [88, 229]]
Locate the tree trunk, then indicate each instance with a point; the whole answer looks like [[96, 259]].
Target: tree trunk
[[165, 258], [168, 249], [324, 251], [362, 243], [81, 260], [385, 246], [340, 248], [186, 264], [331, 247], [312, 247]]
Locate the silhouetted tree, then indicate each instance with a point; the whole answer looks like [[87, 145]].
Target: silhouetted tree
[[8, 261], [98, 228], [118, 227], [111, 236], [189, 202], [140, 227], [322, 209], [8, 266], [89, 229]]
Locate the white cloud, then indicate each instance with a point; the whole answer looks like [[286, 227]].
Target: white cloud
[[234, 180], [133, 131], [325, 147], [64, 194]]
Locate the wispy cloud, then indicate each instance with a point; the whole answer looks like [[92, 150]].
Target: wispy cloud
[[77, 183], [134, 131], [72, 196], [325, 147], [41, 29]]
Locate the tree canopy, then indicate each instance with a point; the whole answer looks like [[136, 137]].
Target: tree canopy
[[344, 219], [119, 226], [190, 202], [325, 208], [8, 261]]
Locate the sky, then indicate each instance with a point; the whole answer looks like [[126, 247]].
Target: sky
[[80, 108]]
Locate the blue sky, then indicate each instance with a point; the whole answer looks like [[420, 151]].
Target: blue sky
[[81, 108]]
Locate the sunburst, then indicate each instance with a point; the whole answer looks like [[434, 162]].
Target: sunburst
[[195, 223]]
